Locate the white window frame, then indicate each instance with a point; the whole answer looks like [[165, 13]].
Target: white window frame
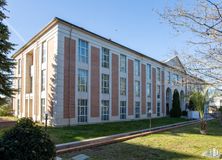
[[43, 80], [82, 113], [137, 109], [122, 110], [105, 110], [105, 83], [83, 52], [43, 108], [158, 109], [82, 80], [137, 67], [158, 73], [122, 63], [148, 71], [122, 86], [44, 52], [105, 57], [158, 91], [137, 88], [149, 108], [148, 89]]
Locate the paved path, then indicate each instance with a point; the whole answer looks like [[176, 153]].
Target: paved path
[[91, 143]]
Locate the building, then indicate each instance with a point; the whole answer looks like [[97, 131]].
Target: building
[[77, 76]]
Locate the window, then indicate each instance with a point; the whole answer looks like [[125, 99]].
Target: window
[[178, 79], [105, 57], [122, 63], [123, 86], [44, 50], [137, 109], [122, 109], [105, 110], [82, 110], [19, 66], [149, 109], [158, 73], [42, 109], [43, 80], [158, 109], [148, 90], [82, 80], [18, 106], [169, 78], [137, 84], [158, 91], [175, 78], [137, 67], [31, 84], [83, 52], [19, 85], [148, 70], [105, 83]]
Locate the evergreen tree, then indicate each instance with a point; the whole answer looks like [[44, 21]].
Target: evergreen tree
[[6, 64], [176, 110]]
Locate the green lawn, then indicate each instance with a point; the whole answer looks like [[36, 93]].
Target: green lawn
[[81, 132], [182, 143], [75, 133]]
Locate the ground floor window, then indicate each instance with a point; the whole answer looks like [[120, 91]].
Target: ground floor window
[[149, 109], [105, 110], [158, 109], [42, 109], [137, 110], [18, 106], [82, 110], [122, 109]]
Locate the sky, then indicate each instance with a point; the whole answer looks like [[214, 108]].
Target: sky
[[133, 23]]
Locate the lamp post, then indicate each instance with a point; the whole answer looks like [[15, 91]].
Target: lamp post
[[149, 112]]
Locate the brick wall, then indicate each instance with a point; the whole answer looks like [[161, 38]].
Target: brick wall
[[69, 77], [95, 82]]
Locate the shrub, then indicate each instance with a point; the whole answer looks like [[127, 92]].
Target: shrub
[[26, 141], [191, 106], [176, 110], [5, 110], [184, 113], [198, 100]]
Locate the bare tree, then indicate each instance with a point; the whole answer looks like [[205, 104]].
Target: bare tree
[[204, 21]]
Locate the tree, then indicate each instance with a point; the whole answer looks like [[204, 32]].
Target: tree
[[203, 19], [26, 141], [176, 110], [199, 100], [6, 63]]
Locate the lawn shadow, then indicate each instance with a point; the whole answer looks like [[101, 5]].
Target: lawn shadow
[[128, 151]]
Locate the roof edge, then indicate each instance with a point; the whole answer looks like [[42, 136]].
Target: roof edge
[[51, 24]]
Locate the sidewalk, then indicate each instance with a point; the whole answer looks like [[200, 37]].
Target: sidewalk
[[94, 142]]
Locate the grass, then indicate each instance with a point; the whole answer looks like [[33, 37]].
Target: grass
[[76, 133], [181, 143], [8, 118], [81, 132]]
